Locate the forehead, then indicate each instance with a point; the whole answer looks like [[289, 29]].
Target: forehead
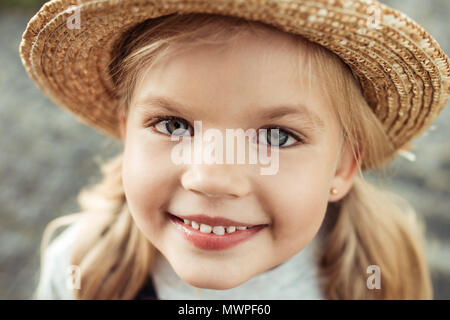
[[237, 77]]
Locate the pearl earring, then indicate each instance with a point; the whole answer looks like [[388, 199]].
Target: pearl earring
[[333, 191]]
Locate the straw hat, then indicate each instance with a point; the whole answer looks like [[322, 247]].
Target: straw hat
[[404, 74]]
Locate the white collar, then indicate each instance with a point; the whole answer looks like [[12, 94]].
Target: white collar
[[296, 278]]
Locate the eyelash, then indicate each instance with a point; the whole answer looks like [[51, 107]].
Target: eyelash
[[156, 120]]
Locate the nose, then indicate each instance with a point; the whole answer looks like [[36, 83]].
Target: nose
[[215, 181]]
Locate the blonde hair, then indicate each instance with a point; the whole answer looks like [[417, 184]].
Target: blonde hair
[[367, 227]]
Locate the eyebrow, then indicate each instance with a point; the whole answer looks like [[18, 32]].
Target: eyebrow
[[299, 111], [270, 113]]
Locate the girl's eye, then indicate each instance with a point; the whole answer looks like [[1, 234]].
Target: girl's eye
[[172, 126], [278, 138]]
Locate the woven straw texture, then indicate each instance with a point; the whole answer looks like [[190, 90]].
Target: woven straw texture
[[404, 74]]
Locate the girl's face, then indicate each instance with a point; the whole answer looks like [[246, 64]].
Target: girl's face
[[231, 87]]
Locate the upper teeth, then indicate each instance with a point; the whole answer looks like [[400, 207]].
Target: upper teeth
[[219, 230]]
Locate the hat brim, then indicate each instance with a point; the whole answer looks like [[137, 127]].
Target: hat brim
[[404, 74]]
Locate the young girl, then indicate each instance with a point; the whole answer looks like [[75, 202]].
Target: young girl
[[347, 93]]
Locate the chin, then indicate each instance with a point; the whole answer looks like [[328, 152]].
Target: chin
[[213, 282]]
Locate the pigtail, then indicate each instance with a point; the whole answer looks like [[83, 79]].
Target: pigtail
[[114, 256], [372, 227]]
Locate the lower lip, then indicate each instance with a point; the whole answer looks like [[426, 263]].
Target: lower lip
[[211, 241]]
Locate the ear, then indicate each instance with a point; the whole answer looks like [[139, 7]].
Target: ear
[[344, 174]]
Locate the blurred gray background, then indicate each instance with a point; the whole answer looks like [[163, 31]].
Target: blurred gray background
[[47, 156]]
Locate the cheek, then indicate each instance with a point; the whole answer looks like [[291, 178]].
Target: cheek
[[297, 197], [145, 179]]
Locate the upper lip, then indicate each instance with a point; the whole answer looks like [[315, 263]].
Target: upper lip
[[213, 221]]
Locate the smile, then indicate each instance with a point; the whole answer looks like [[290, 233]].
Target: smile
[[214, 237]]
